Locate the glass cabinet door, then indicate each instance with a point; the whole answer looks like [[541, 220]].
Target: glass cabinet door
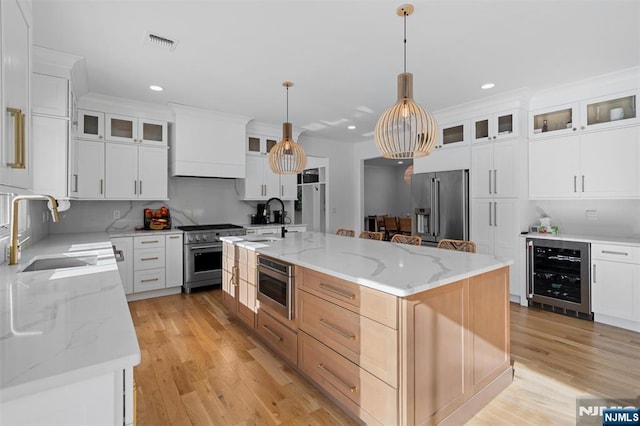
[[121, 128], [253, 144], [614, 110], [495, 126], [152, 131], [453, 134], [553, 122], [90, 125], [482, 129], [258, 144]]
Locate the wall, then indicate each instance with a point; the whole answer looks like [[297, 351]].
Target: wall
[[191, 201], [385, 191]]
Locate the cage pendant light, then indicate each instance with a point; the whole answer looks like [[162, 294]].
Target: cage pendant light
[[406, 130], [287, 157]]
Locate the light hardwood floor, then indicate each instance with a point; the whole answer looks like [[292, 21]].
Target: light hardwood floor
[[198, 367]]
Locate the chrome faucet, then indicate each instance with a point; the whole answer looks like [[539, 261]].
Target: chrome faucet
[[13, 247], [266, 209]]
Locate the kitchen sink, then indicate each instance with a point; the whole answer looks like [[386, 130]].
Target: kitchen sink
[[61, 262]]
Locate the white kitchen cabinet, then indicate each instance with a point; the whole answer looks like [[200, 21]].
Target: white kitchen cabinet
[[453, 134], [260, 144], [207, 143], [495, 230], [124, 245], [15, 125], [50, 155], [495, 126], [615, 285], [90, 178], [261, 183], [123, 128], [494, 170], [588, 165], [174, 260], [91, 125], [135, 172], [50, 95]]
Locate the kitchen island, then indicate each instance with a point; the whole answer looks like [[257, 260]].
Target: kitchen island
[[394, 334], [67, 341]]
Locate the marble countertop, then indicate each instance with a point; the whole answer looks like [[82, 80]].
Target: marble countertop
[[624, 241], [270, 225], [61, 326], [398, 269]]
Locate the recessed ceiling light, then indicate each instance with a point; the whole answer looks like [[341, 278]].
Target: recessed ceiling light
[[487, 86], [156, 88], [351, 127]]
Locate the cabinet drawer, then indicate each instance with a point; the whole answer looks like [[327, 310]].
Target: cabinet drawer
[[148, 259], [364, 394], [379, 306], [279, 337], [615, 253], [151, 241], [367, 343], [152, 279]]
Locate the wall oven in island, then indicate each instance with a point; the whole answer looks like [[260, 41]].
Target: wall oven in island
[[558, 276], [276, 286]]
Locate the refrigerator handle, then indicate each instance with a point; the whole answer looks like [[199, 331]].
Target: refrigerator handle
[[465, 207], [530, 269], [437, 218], [432, 215]]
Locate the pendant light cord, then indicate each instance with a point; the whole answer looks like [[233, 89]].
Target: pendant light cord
[[287, 104], [405, 40]]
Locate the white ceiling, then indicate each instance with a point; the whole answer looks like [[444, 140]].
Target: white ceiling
[[343, 56]]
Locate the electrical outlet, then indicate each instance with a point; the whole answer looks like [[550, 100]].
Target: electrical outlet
[[116, 214], [591, 215]]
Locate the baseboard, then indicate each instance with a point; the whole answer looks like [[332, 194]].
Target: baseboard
[[153, 293]]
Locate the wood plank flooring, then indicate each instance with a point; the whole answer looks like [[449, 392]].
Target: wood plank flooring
[[201, 368]]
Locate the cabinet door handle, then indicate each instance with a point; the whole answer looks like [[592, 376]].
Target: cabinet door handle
[[150, 258], [272, 333], [330, 373], [530, 269], [337, 330], [18, 138], [495, 181], [174, 237], [135, 187], [149, 242], [495, 213], [621, 253], [140, 186], [75, 183], [150, 280], [281, 190], [594, 273], [575, 184], [101, 186], [490, 213], [582, 183], [338, 291], [490, 182]]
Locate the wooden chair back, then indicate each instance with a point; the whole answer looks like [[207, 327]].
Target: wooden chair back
[[369, 235], [346, 232], [458, 245], [407, 239], [380, 223], [405, 225], [390, 223]]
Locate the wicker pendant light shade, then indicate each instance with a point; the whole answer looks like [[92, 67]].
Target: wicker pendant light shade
[[406, 130], [287, 157]]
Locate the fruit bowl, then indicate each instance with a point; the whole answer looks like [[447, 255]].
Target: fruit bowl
[[157, 219]]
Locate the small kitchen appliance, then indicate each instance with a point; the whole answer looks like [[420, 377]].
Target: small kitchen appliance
[[263, 218]]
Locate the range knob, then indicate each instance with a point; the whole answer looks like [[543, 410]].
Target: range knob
[[204, 238], [197, 238], [190, 239]]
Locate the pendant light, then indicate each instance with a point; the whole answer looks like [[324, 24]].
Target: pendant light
[[406, 130], [287, 157]]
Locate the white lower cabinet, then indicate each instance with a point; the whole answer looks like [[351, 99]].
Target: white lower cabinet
[[615, 285], [174, 260], [105, 399], [124, 259]]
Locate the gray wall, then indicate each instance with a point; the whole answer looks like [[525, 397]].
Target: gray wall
[[385, 191]]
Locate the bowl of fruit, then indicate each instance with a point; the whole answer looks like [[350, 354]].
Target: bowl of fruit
[[157, 219]]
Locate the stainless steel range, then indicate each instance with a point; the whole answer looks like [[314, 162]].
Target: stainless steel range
[[203, 253]]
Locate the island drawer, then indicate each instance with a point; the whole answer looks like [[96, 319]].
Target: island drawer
[[365, 342], [148, 242], [615, 253], [279, 337], [152, 279], [148, 259], [368, 397], [374, 304]]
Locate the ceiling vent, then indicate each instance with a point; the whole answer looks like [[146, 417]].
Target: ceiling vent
[[159, 41]]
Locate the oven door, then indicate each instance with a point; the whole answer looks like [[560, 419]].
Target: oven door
[[202, 264], [275, 290]]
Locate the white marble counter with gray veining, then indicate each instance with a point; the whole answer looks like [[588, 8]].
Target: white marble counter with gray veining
[[60, 326], [398, 269]]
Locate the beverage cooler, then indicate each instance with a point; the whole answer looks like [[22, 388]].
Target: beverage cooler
[[558, 276]]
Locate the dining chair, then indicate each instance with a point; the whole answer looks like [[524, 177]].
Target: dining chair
[[369, 235], [404, 224], [407, 239], [458, 245], [390, 226], [346, 232], [380, 224]]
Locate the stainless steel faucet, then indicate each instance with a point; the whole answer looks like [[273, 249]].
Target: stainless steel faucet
[[13, 247], [266, 209]]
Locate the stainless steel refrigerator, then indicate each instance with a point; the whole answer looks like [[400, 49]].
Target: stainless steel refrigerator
[[440, 203]]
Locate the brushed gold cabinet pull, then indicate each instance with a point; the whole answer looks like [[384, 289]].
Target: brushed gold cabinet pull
[[150, 280], [330, 373], [18, 138], [337, 330], [175, 237], [338, 291], [272, 333]]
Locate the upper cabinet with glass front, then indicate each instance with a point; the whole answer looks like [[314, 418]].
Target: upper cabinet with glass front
[[122, 128], [90, 125], [260, 144], [453, 134], [497, 126]]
